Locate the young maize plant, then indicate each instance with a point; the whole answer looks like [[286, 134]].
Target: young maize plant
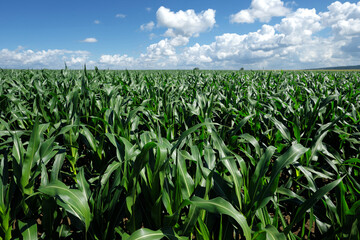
[[100, 154]]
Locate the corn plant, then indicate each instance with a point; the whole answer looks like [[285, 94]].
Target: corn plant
[[101, 154]]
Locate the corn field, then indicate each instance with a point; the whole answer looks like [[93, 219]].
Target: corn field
[[106, 154]]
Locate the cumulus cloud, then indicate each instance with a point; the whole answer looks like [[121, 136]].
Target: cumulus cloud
[[116, 60], [185, 23], [296, 41], [232, 49], [343, 18], [340, 11], [148, 26], [120, 15], [179, 41], [181, 26], [347, 27], [344, 21], [352, 47], [299, 26], [89, 40], [52, 58], [159, 55], [197, 55], [159, 50], [262, 10]]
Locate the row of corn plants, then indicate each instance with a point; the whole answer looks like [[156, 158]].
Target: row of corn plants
[[106, 154]]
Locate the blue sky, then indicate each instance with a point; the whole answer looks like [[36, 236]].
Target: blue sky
[[164, 34]]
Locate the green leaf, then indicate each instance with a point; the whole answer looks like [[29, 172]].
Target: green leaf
[[252, 141], [90, 138], [285, 133], [30, 158], [273, 234], [310, 202], [47, 150], [109, 170], [83, 184], [18, 150], [28, 230], [242, 123], [72, 200], [186, 133], [296, 131], [220, 206], [355, 208], [203, 230], [291, 155], [147, 234], [59, 160], [187, 183], [260, 171], [4, 177], [191, 219], [229, 163], [355, 230], [142, 159]]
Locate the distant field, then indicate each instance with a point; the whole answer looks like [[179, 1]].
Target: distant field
[[341, 68], [179, 154], [335, 70]]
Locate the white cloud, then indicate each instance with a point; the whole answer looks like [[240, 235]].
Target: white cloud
[[160, 49], [343, 18], [317, 51], [352, 48], [347, 27], [96, 21], [231, 49], [181, 26], [299, 27], [159, 55], [197, 55], [186, 23], [295, 42], [89, 40], [148, 26], [120, 15], [265, 39], [340, 11], [116, 60], [263, 10], [303, 38], [148, 9], [52, 58], [179, 41]]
